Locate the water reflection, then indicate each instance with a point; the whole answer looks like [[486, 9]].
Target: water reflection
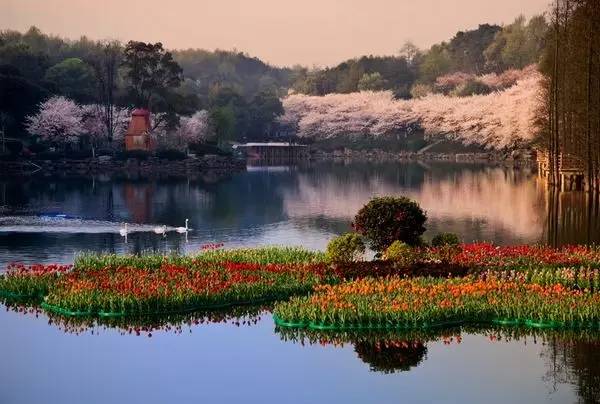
[[570, 357], [572, 217], [575, 361], [143, 325], [304, 204], [391, 365]]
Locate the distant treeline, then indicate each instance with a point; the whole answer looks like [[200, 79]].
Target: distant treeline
[[240, 93], [487, 49]]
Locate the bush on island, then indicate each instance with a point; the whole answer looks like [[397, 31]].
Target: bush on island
[[386, 219], [348, 247], [400, 252], [445, 239]]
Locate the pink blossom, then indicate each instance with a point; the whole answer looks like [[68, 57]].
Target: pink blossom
[[497, 120], [59, 120]]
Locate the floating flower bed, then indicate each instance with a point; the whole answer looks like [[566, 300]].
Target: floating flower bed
[[29, 281], [262, 255], [485, 255], [423, 303], [130, 291], [113, 285]]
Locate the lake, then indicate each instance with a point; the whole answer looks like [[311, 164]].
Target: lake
[[215, 359]]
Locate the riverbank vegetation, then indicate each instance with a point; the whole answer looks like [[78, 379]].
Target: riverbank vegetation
[[500, 119], [78, 94]]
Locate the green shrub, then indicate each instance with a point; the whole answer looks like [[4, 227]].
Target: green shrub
[[400, 252], [386, 219], [445, 239], [346, 248]]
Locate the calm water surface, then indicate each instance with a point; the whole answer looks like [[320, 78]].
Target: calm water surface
[[50, 219]]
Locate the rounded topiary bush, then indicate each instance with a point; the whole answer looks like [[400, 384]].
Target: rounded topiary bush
[[348, 247], [386, 219], [445, 239], [400, 252]]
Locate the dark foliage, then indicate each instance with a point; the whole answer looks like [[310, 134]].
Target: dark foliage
[[391, 357], [386, 219], [445, 239]]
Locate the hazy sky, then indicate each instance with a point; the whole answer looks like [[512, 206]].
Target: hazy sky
[[321, 32]]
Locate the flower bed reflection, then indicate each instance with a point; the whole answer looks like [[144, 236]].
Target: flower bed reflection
[[146, 325], [400, 351]]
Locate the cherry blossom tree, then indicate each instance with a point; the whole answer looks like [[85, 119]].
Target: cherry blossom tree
[[498, 120], [192, 129], [95, 124], [58, 121]]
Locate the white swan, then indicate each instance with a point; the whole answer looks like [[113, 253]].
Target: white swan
[[183, 229], [123, 231], [161, 230]]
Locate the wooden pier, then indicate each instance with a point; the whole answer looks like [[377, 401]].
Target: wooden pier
[[571, 171]]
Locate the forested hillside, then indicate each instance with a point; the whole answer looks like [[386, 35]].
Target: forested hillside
[[487, 49], [239, 97]]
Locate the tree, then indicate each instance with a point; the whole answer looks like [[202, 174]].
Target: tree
[[517, 45], [398, 75], [263, 110], [384, 220], [94, 124], [224, 122], [466, 48], [409, 51], [502, 119], [570, 132], [74, 78], [435, 63], [19, 98], [151, 72], [31, 65], [371, 82], [5, 122], [105, 65], [231, 113], [59, 121], [193, 129]]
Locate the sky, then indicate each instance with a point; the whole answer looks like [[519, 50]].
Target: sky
[[281, 32]]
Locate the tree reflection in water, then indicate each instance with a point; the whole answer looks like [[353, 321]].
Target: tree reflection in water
[[572, 217], [383, 351], [391, 356], [575, 361], [571, 357]]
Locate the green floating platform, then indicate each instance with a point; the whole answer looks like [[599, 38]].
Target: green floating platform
[[7, 294], [109, 314], [428, 325], [65, 312]]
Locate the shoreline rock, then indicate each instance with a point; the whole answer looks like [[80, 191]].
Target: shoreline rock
[[108, 165]]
